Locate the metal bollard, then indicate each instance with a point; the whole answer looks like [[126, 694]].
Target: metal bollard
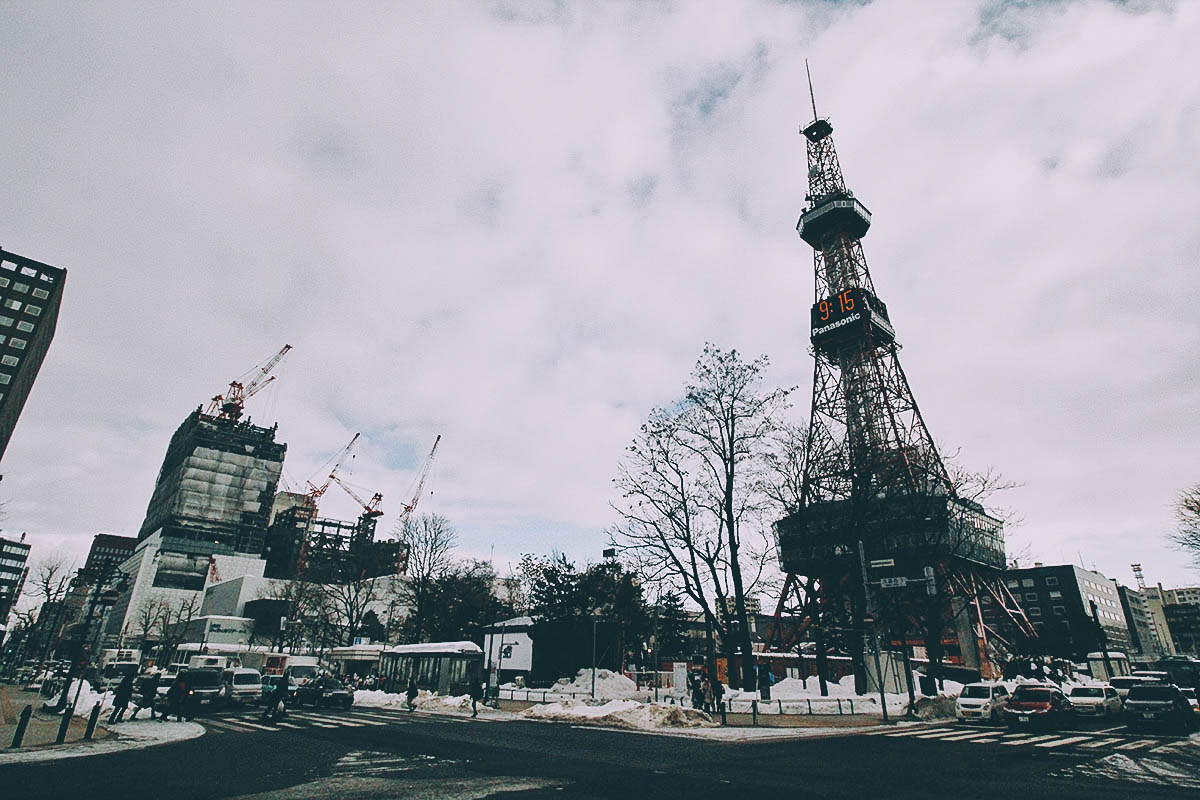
[[754, 712], [91, 726], [851, 705], [780, 706], [809, 707], [68, 712], [839, 706], [723, 721], [22, 724]]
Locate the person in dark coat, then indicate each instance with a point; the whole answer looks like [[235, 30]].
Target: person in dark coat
[[476, 696], [175, 698], [697, 693], [411, 693], [718, 693], [121, 699], [147, 694], [277, 700], [765, 680]]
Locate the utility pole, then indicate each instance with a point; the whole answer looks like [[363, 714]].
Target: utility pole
[[594, 618], [862, 561]]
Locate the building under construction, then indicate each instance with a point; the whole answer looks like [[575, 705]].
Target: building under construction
[[301, 545]]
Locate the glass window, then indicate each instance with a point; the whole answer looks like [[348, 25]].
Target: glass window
[[1053, 595], [15, 305], [1027, 582], [1031, 597], [1052, 581], [20, 287], [1060, 610], [2, 338], [6, 321], [33, 311], [9, 361], [40, 294], [27, 327], [19, 344], [28, 271], [1013, 584], [4, 282], [1034, 612], [5, 378]]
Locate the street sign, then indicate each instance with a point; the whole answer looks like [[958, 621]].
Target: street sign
[[883, 562], [110, 597], [893, 583]]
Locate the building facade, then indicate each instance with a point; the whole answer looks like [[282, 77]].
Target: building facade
[[325, 550], [1059, 602], [14, 557], [30, 294], [1184, 621], [1143, 637]]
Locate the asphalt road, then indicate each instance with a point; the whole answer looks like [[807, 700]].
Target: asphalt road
[[335, 755]]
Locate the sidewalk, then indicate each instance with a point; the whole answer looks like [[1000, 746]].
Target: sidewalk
[[43, 725]]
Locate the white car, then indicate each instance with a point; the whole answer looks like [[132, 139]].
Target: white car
[[1124, 683], [1099, 701], [242, 685], [981, 702]]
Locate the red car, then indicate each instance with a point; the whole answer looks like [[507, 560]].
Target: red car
[[1039, 705]]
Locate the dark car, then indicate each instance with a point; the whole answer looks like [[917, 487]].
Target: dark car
[[269, 682], [204, 688], [1039, 705], [326, 691], [1158, 703]]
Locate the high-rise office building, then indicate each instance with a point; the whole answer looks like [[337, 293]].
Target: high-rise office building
[[30, 292], [14, 554]]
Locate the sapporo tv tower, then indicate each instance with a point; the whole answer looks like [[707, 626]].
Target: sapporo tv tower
[[881, 536]]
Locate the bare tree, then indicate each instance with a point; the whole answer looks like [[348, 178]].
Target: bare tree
[[173, 621], [145, 622], [1187, 513], [346, 604], [429, 539]]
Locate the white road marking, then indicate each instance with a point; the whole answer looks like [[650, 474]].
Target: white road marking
[[1030, 740], [1136, 745], [938, 734], [967, 736], [1101, 742], [919, 731], [1063, 742]]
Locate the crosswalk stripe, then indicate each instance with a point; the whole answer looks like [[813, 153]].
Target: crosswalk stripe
[[965, 736], [938, 734], [353, 720], [1136, 745], [983, 741], [1063, 742], [1101, 742], [290, 725], [917, 732], [225, 725], [254, 725], [1029, 740]]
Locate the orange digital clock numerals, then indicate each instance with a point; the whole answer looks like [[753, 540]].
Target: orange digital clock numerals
[[824, 306], [846, 301]]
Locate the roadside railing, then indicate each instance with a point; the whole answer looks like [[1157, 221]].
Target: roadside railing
[[815, 706]]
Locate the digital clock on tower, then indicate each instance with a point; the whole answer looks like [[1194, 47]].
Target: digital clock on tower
[[838, 310]]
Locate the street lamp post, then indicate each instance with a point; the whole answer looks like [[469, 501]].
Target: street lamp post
[[108, 598]]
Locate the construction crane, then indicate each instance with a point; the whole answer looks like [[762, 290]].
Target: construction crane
[[411, 506], [231, 404], [370, 509], [314, 492]]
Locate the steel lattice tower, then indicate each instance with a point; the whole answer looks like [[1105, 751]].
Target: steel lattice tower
[[872, 471]]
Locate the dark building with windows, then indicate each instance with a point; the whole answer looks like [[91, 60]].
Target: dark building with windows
[[1142, 636], [216, 486], [107, 552], [30, 293], [1184, 621], [324, 550], [14, 554], [1059, 602]]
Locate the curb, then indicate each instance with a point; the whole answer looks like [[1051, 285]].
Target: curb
[[126, 739]]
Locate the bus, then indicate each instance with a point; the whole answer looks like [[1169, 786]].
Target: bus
[[448, 668]]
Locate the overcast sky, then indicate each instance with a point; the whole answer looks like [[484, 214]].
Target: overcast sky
[[517, 224]]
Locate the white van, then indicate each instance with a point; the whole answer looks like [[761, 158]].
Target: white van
[[242, 685]]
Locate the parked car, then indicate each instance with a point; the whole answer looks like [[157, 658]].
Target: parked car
[[1037, 704], [1158, 703], [242, 685], [269, 682], [324, 691], [983, 702], [1098, 701], [1126, 682]]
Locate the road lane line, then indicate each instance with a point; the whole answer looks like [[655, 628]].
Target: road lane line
[[938, 734], [1063, 742], [966, 736]]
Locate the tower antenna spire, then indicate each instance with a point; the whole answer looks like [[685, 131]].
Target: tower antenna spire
[[811, 96]]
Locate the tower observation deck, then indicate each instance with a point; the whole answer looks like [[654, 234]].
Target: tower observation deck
[[874, 481]]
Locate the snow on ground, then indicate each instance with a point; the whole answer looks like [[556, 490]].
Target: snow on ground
[[620, 714], [87, 698], [609, 685], [135, 735], [426, 701]]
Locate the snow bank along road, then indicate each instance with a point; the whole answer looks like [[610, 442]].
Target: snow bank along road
[[384, 753]]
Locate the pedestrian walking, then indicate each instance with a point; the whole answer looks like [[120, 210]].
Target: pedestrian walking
[[277, 700], [411, 693], [697, 693], [718, 692], [476, 696], [765, 681], [175, 699], [121, 699], [147, 694], [707, 688]]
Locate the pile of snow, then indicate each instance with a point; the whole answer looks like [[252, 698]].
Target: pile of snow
[[376, 698], [609, 685], [87, 698], [621, 714]]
